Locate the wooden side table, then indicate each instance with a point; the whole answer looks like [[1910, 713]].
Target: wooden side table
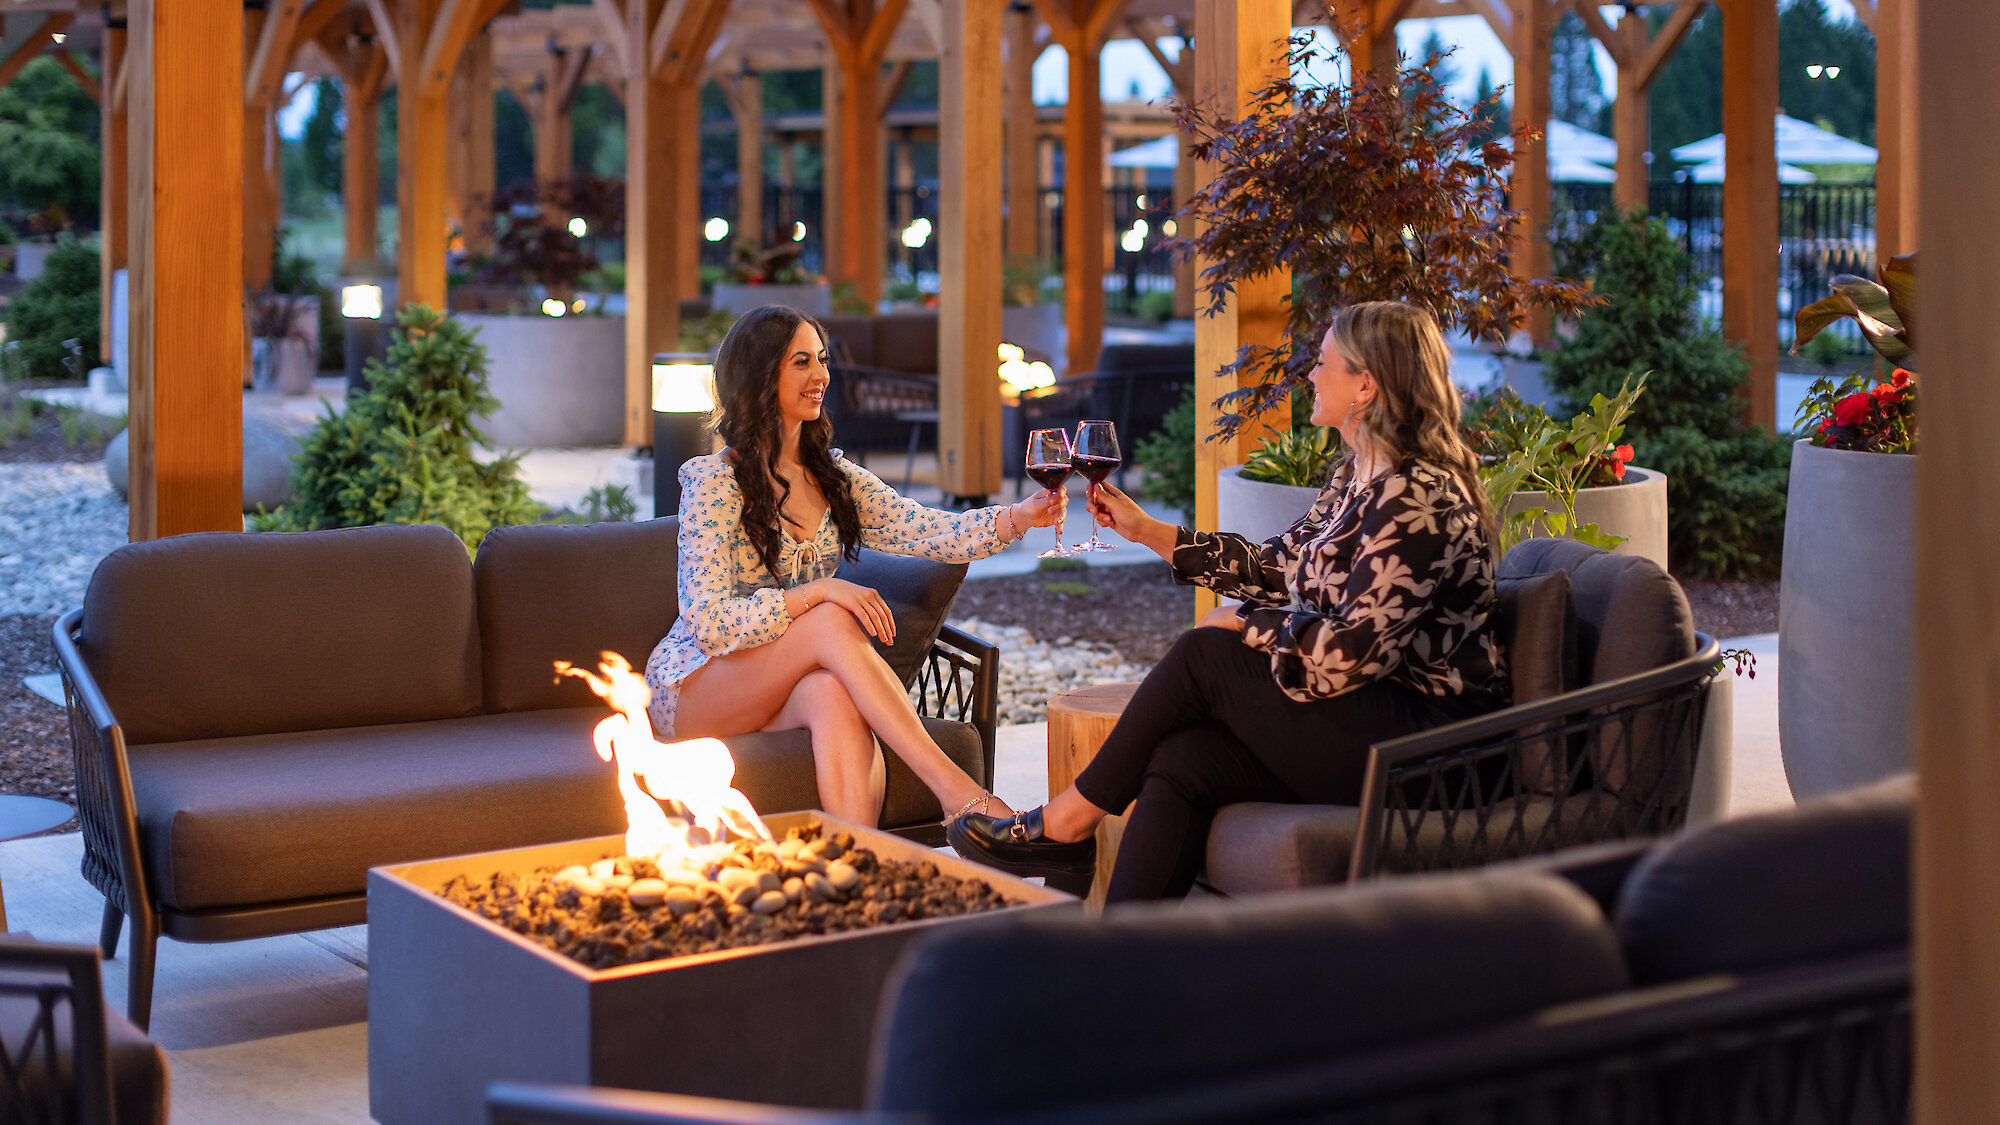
[[1079, 721]]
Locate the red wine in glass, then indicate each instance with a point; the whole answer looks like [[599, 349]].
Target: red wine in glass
[[1048, 462], [1096, 456]]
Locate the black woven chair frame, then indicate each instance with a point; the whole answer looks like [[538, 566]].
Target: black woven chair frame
[[864, 403], [1618, 763], [959, 680], [33, 1086]]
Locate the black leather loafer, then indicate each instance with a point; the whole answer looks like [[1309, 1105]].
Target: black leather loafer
[[1015, 844]]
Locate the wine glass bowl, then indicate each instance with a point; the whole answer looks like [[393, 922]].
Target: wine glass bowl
[[1095, 457], [1049, 465]]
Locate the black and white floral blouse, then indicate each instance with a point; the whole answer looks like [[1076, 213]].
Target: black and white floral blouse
[[1393, 581], [730, 601]]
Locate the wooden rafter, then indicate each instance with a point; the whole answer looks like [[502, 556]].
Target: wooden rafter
[[694, 30], [892, 84], [569, 76], [1497, 16], [82, 76], [1865, 11], [316, 19], [612, 16], [1612, 42], [456, 24], [930, 13], [34, 44], [1669, 39], [1149, 33], [272, 52], [385, 34], [120, 81]]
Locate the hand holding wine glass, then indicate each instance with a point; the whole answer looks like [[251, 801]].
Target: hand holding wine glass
[[1096, 456], [1048, 463]]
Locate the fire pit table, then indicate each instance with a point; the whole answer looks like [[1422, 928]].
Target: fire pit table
[[456, 1001]]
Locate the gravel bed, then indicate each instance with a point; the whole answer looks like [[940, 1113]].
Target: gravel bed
[[1033, 671], [56, 522]]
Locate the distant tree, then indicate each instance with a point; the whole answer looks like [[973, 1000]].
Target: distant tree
[[1576, 87], [320, 141], [1489, 112], [1844, 103], [597, 132], [513, 142], [1686, 102], [49, 137]]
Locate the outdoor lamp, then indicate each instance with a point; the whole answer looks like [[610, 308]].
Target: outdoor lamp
[[361, 305], [716, 229], [683, 396]]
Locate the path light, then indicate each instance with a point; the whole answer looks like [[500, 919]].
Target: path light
[[553, 307], [716, 229], [361, 309], [576, 305], [578, 227], [683, 396], [917, 233], [1019, 375], [798, 232], [361, 302]]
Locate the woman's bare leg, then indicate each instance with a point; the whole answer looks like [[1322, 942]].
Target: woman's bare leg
[[846, 762], [744, 691]]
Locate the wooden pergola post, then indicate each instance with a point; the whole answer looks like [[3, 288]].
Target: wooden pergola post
[[1019, 128], [970, 160], [1750, 196], [857, 35], [550, 106], [1896, 125], [1242, 49], [184, 165], [112, 248], [1179, 71], [1373, 51], [267, 39], [1534, 26], [1957, 705], [1638, 57], [1081, 28], [365, 68], [687, 217], [745, 94], [470, 162], [661, 48], [430, 35]]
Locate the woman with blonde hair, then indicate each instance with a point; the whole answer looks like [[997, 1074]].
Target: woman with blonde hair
[[1370, 618]]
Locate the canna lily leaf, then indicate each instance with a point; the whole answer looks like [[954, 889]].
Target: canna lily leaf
[[1899, 277]]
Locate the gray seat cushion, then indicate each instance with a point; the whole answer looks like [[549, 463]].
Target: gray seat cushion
[[549, 593], [1631, 616], [1263, 984], [220, 634], [240, 821], [775, 770], [1828, 879]]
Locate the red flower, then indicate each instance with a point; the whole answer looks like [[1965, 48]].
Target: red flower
[[1901, 377], [1618, 467], [1623, 453], [1886, 393], [1851, 410]]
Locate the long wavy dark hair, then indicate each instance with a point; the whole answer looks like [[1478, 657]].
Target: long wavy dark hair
[[747, 417]]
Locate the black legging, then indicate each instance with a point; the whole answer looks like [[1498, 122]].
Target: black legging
[[1210, 727]]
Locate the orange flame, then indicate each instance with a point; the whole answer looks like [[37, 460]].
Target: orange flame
[[696, 772]]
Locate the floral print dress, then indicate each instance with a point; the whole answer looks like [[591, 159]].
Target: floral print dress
[[730, 601], [1390, 579]]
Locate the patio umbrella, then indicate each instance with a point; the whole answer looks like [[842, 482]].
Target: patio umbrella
[[1575, 169], [1799, 142], [1573, 142], [1710, 172], [1160, 152]]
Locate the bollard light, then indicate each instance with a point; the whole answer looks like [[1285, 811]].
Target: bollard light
[[683, 396], [362, 305], [361, 302]]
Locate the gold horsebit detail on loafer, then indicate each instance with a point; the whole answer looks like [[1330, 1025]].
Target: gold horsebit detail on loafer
[[1018, 830]]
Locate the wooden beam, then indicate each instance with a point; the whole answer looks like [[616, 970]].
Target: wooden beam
[[853, 232], [1148, 34], [314, 20], [1498, 16], [746, 103], [930, 13], [112, 245], [455, 24], [1669, 39], [1233, 59], [1897, 75], [969, 258], [1373, 50], [1023, 184], [1613, 42], [260, 148], [1631, 118], [1956, 897], [82, 76], [612, 15], [422, 124], [121, 82], [33, 45], [385, 33], [1083, 207], [272, 53], [1750, 197], [1865, 11], [360, 166], [892, 83], [1534, 26], [657, 45], [186, 343]]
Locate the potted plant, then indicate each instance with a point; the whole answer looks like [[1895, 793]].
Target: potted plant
[[556, 359], [1844, 608], [284, 342], [1576, 481], [771, 275], [1380, 190]]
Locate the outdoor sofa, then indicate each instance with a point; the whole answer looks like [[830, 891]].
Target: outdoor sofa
[[1754, 971], [259, 719]]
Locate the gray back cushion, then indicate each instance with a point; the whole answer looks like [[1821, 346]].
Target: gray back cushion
[[1263, 983], [1631, 616], [549, 593], [1830, 878], [919, 593], [226, 633]]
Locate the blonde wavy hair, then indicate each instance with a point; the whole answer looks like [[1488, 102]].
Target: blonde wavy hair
[[1415, 411]]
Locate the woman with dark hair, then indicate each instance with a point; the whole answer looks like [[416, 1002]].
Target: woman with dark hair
[[1370, 618], [768, 638]]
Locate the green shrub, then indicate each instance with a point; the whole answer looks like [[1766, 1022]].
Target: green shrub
[[1725, 479], [1168, 455], [62, 304], [403, 452]]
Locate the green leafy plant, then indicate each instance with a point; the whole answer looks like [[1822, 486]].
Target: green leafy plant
[[1848, 414], [1823, 349], [845, 300], [83, 427], [7, 235], [1168, 455], [1561, 461], [17, 418], [705, 335], [1301, 457], [1381, 190], [49, 131], [609, 503], [777, 264], [404, 451], [1884, 309], [1725, 478], [1023, 278], [55, 319], [533, 240]]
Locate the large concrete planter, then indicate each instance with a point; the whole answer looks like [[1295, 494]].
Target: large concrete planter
[[734, 299], [1039, 329], [1844, 614], [1635, 508], [30, 259], [1255, 510], [560, 380]]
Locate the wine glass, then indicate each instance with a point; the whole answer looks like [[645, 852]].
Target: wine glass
[[1096, 457], [1049, 464]]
